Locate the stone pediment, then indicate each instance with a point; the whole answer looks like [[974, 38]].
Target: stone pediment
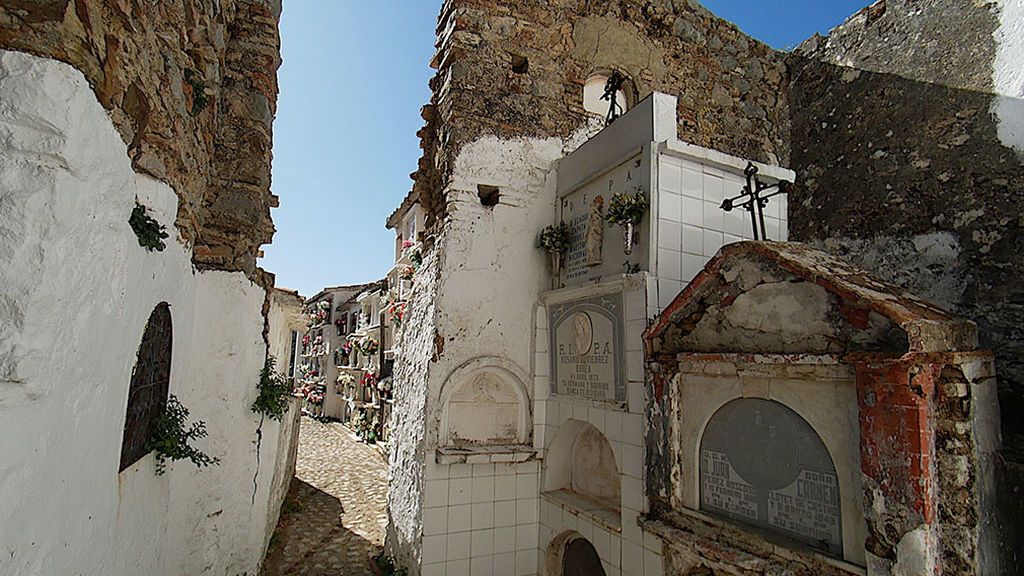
[[789, 298]]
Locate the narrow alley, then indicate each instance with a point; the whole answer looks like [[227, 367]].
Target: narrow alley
[[333, 520]]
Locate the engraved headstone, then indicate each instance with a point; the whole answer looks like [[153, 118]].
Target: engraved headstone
[[762, 464], [586, 348]]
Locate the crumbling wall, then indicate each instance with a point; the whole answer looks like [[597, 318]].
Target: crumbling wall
[[191, 87], [905, 166], [517, 68]]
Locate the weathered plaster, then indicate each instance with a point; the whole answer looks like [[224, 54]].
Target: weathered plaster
[[1008, 74], [77, 290]]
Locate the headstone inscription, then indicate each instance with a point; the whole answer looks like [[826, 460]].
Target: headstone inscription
[[762, 464], [586, 348]]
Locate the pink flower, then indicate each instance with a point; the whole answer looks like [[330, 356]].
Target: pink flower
[[407, 244]]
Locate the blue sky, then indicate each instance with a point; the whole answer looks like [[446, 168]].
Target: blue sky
[[353, 79]]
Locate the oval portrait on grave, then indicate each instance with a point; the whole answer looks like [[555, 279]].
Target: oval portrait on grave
[[584, 328]]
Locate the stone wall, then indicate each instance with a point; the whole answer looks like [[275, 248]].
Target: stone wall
[[907, 166], [191, 87], [517, 69]]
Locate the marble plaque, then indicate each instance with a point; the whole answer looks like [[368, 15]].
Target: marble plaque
[[762, 464], [586, 348], [630, 177]]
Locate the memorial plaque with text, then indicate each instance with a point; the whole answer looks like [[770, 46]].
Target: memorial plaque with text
[[762, 464], [586, 348]]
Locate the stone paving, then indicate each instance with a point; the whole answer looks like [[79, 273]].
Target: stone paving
[[334, 517]]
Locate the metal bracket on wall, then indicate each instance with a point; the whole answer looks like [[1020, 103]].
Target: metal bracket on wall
[[611, 90], [752, 200]]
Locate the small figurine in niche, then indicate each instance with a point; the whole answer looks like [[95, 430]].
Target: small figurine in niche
[[595, 232]]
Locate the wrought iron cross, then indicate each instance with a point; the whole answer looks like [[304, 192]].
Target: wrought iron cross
[[753, 200], [611, 90]]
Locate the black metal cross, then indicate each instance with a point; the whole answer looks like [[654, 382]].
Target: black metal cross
[[611, 90], [753, 200]]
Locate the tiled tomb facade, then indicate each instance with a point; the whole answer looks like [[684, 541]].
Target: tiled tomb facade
[[511, 144]]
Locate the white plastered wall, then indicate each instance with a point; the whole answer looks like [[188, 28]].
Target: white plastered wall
[[76, 290], [1008, 74]]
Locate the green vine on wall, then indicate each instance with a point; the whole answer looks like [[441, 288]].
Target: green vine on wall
[[199, 99], [151, 233], [274, 389], [171, 436]]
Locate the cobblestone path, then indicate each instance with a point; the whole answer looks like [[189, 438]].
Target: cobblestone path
[[334, 516]]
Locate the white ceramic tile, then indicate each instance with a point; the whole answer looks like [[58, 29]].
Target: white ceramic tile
[[436, 569], [596, 418], [633, 429], [483, 488], [436, 493], [635, 305], [526, 562], [633, 462], [505, 564], [734, 222], [527, 536], [692, 182], [526, 486], [505, 513], [615, 550], [669, 235], [712, 242], [652, 542], [667, 291], [692, 211], [632, 491], [436, 471], [434, 549], [635, 395], [531, 467], [579, 411], [771, 226], [713, 189], [482, 543], [457, 568], [600, 541], [783, 206], [458, 546], [635, 329], [460, 491], [504, 539], [630, 529], [613, 425], [435, 521], [670, 264], [771, 209], [459, 518], [460, 471], [483, 470], [483, 515], [483, 566], [713, 217], [653, 565], [632, 558], [693, 239], [730, 239], [670, 207], [692, 265], [783, 230], [527, 511], [670, 177]]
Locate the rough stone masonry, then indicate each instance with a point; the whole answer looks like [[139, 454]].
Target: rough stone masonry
[[192, 88]]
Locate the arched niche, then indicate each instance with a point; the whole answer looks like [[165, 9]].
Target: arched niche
[[149, 386], [485, 403], [571, 554], [581, 462], [762, 464], [593, 90]]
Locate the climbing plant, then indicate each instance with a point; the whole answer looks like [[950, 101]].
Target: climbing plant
[[151, 233], [171, 437], [274, 389]]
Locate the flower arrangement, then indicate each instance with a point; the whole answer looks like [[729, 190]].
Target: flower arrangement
[[369, 346], [555, 238], [344, 382], [627, 208], [407, 272], [397, 312], [413, 252], [346, 348], [369, 379], [315, 395]]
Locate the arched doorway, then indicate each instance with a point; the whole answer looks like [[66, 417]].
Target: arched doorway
[[581, 559]]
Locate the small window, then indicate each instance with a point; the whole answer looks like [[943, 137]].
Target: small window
[[593, 90], [147, 393]]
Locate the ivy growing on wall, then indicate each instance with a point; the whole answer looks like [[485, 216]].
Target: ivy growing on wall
[[199, 99], [151, 233], [172, 434], [274, 389]]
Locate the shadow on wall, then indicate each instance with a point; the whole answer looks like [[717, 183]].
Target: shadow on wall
[[912, 182]]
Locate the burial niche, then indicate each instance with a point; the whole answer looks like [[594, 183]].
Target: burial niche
[[147, 393], [485, 409], [581, 559], [581, 462], [763, 465]]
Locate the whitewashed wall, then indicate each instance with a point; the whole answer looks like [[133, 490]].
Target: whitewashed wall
[[76, 291]]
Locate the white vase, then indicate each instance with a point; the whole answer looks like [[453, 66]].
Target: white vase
[[628, 237]]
